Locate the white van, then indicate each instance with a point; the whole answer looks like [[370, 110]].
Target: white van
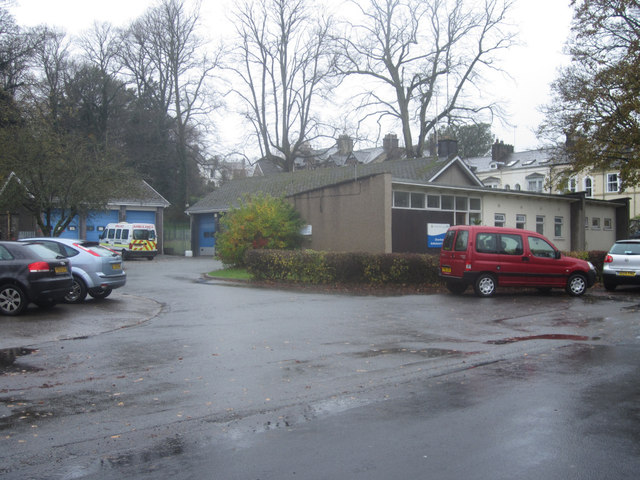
[[131, 239]]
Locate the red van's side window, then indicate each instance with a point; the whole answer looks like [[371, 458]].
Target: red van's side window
[[511, 244], [487, 242]]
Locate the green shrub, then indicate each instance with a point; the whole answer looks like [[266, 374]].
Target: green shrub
[[260, 222], [352, 268]]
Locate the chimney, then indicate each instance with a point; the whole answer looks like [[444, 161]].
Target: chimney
[[500, 151], [447, 147], [345, 144], [390, 142]]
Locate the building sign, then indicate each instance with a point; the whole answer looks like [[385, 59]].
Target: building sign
[[435, 234]]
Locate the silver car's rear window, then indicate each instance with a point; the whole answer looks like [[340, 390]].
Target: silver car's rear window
[[101, 251], [626, 249]]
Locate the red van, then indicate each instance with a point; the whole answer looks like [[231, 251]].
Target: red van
[[488, 257]]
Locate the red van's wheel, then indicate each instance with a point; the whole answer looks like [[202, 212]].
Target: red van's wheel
[[576, 285], [485, 285]]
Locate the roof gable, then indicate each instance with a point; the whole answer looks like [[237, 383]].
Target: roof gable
[[456, 172]]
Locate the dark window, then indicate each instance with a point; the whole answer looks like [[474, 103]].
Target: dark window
[[461, 241], [447, 243], [511, 244], [487, 242], [541, 248]]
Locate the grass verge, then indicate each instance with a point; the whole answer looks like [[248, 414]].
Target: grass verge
[[231, 274]]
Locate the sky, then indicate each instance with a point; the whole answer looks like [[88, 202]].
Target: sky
[[543, 27]]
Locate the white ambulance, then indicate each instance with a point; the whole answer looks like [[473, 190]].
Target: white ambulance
[[131, 239]]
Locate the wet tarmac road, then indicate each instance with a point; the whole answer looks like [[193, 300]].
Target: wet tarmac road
[[221, 381]]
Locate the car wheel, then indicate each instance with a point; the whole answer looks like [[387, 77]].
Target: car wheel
[[149, 258], [457, 288], [123, 254], [99, 293], [576, 285], [13, 301], [77, 293], [485, 285], [609, 286]]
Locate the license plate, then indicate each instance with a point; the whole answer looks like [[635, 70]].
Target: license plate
[[116, 266], [62, 269], [627, 274], [446, 269]]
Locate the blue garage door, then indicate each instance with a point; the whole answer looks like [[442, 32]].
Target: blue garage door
[[73, 229], [141, 216], [206, 234], [96, 222]]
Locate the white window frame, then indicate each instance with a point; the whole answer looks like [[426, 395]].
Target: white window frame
[[540, 224], [499, 219], [613, 183], [588, 186], [521, 221], [558, 226]]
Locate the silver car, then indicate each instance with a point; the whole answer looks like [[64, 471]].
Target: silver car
[[622, 264], [96, 270]]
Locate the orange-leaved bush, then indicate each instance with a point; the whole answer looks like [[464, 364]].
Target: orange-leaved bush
[[261, 221]]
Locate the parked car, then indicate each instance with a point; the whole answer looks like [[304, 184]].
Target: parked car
[[622, 264], [488, 257], [31, 273], [96, 270]]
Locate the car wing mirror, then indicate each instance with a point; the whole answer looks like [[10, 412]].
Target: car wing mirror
[[558, 254]]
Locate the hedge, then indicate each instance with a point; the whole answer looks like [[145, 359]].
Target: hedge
[[317, 268], [312, 267]]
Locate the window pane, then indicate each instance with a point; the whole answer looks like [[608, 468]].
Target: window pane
[[401, 199], [558, 226], [540, 224], [433, 201], [540, 248], [475, 204], [461, 241], [511, 244], [486, 242], [461, 203], [417, 200], [447, 202]]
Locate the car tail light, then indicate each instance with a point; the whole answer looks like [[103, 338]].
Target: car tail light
[[86, 250], [467, 267], [608, 259], [39, 267]]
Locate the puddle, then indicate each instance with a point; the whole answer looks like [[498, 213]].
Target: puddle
[[9, 355], [549, 336]]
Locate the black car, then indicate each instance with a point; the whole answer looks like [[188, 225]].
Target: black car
[[31, 273]]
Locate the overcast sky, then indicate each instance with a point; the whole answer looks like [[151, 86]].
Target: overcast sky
[[543, 29]]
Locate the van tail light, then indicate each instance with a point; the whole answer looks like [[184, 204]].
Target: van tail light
[[608, 259], [467, 267], [36, 267]]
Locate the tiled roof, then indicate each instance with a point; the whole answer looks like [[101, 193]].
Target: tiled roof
[[145, 195], [516, 160], [291, 183]]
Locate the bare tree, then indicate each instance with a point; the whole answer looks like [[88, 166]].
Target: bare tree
[[17, 49], [166, 59], [423, 58], [283, 61]]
